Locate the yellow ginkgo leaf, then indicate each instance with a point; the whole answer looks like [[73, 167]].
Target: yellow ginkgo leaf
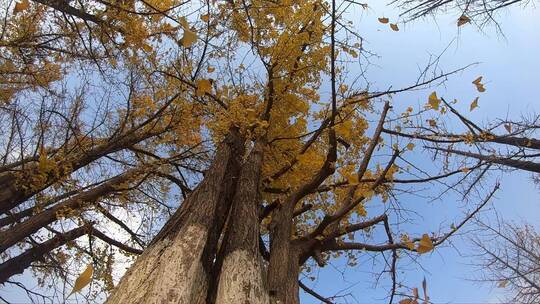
[[425, 244], [205, 18], [383, 20], [508, 128], [407, 241], [434, 101], [477, 80], [84, 279], [463, 20], [45, 164], [21, 6], [189, 38], [211, 69], [474, 104], [394, 27], [410, 146], [203, 86], [479, 86]]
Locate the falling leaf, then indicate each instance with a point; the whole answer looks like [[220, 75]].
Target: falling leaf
[[189, 38], [84, 278], [205, 18], [432, 123], [394, 27], [424, 288], [383, 20], [479, 86], [203, 86], [508, 127], [463, 20], [502, 284], [211, 69], [21, 6], [410, 146], [415, 293], [474, 104], [425, 244], [477, 80], [434, 101]]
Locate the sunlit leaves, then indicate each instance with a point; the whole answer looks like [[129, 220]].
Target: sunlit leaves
[[21, 6], [44, 163], [394, 27], [410, 146], [425, 244], [407, 241], [84, 279], [434, 101], [203, 86], [383, 20], [189, 38], [463, 20]]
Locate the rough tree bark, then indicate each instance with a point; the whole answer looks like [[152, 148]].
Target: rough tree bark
[[176, 267], [241, 278]]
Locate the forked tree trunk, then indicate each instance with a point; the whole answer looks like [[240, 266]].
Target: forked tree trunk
[[176, 267], [241, 278]]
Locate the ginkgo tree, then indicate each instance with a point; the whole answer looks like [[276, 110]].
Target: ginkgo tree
[[110, 104]]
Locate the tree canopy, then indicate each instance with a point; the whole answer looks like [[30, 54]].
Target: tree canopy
[[125, 122]]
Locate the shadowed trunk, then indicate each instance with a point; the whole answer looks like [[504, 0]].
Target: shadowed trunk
[[176, 266], [280, 253]]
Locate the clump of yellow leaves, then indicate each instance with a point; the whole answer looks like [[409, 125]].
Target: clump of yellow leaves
[[21, 6], [203, 86], [425, 244], [407, 241], [434, 101], [189, 37]]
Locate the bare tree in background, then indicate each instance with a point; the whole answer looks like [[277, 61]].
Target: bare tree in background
[[509, 256], [480, 11]]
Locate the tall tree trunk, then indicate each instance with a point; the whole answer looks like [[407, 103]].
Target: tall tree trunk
[[291, 286], [176, 267], [241, 278], [280, 253]]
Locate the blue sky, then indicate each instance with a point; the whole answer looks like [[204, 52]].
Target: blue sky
[[509, 65]]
